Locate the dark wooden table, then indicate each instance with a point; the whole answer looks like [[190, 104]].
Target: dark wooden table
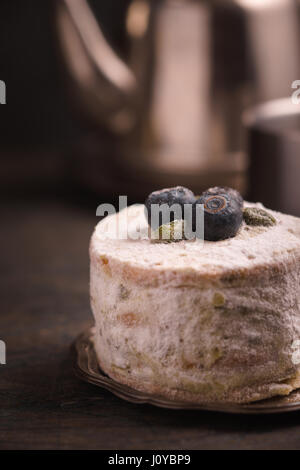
[[44, 306]]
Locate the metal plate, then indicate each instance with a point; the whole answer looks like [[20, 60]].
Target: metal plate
[[86, 368]]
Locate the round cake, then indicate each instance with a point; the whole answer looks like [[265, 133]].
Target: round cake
[[198, 321]]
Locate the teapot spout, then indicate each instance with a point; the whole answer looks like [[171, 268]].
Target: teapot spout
[[106, 82]]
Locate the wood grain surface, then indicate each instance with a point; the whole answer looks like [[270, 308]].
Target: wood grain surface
[[44, 306]]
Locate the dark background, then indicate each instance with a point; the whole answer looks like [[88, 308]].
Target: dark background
[[40, 124]]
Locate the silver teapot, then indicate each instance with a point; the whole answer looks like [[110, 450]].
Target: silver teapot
[[173, 107]]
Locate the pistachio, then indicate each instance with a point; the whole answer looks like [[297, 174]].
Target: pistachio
[[216, 354], [218, 299], [123, 293], [256, 216], [168, 233]]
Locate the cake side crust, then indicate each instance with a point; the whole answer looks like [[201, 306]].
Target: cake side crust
[[200, 333]]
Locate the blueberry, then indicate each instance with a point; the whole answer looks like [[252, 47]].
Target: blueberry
[[168, 197], [223, 213], [219, 190]]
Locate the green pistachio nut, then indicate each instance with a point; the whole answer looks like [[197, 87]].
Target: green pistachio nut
[[256, 216], [218, 300], [168, 233]]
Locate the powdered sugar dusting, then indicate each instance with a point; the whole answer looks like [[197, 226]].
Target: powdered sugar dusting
[[252, 245]]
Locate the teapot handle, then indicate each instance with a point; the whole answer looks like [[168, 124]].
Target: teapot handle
[[106, 82]]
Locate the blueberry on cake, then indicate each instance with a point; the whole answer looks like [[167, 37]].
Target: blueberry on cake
[[201, 321]]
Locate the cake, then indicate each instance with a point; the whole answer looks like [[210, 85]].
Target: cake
[[195, 321]]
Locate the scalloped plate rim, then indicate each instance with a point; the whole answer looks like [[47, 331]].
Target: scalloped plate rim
[[84, 354]]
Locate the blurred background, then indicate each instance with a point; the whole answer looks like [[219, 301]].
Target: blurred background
[[124, 97], [40, 126]]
